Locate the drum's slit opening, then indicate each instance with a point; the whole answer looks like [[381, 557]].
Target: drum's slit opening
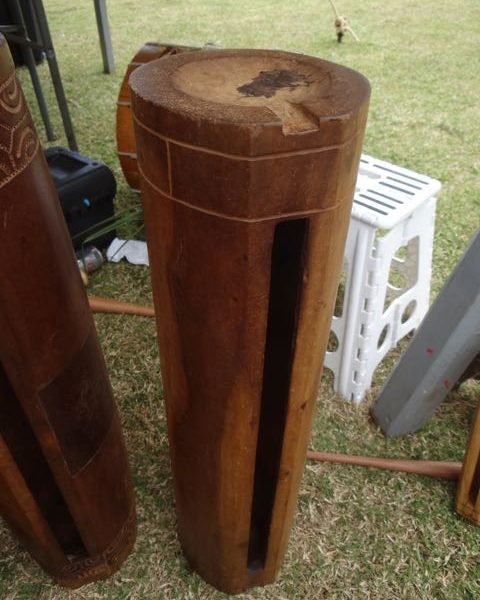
[[23, 446], [286, 275]]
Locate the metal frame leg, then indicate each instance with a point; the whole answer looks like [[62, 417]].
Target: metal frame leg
[[29, 59], [54, 72], [104, 36], [37, 87], [443, 347]]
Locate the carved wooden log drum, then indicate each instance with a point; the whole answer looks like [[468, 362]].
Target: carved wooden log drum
[[468, 491], [248, 163], [126, 147], [65, 487]]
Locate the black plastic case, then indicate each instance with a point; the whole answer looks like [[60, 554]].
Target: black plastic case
[[86, 188]]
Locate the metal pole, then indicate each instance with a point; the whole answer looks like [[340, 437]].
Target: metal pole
[[54, 72], [104, 36], [29, 59]]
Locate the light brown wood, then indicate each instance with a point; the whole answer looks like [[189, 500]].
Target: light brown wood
[[429, 468], [109, 305], [468, 492], [126, 146], [248, 162]]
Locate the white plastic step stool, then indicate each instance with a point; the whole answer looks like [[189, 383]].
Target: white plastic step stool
[[387, 270]]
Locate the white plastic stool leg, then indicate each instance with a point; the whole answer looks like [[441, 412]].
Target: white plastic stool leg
[[376, 311], [347, 361]]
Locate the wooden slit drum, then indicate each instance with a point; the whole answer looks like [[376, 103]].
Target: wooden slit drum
[[248, 162], [468, 490], [65, 487], [126, 147]]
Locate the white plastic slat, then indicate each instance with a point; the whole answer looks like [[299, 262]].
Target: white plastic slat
[[386, 194]]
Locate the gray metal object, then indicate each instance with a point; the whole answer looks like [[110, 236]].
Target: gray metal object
[[104, 36], [445, 344], [54, 71], [18, 33]]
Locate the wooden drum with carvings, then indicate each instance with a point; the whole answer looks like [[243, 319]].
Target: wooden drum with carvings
[[248, 162], [65, 486]]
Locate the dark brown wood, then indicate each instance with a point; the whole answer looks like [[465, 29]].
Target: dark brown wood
[[429, 468], [248, 163], [126, 147], [468, 491], [108, 305], [65, 487]]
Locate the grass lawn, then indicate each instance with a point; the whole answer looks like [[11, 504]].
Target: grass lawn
[[358, 533]]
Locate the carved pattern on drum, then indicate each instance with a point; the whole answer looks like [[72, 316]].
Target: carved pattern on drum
[[18, 140], [103, 565]]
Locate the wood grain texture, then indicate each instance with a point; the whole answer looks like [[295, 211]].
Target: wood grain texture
[[126, 146], [430, 468], [65, 486], [109, 305], [247, 201], [468, 491]]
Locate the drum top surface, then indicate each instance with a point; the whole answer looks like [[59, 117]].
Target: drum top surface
[[249, 101]]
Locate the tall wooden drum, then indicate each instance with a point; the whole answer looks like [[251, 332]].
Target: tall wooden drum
[[65, 487], [248, 162], [126, 147]]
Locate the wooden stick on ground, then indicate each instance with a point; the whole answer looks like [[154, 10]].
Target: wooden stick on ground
[[108, 305], [430, 468]]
